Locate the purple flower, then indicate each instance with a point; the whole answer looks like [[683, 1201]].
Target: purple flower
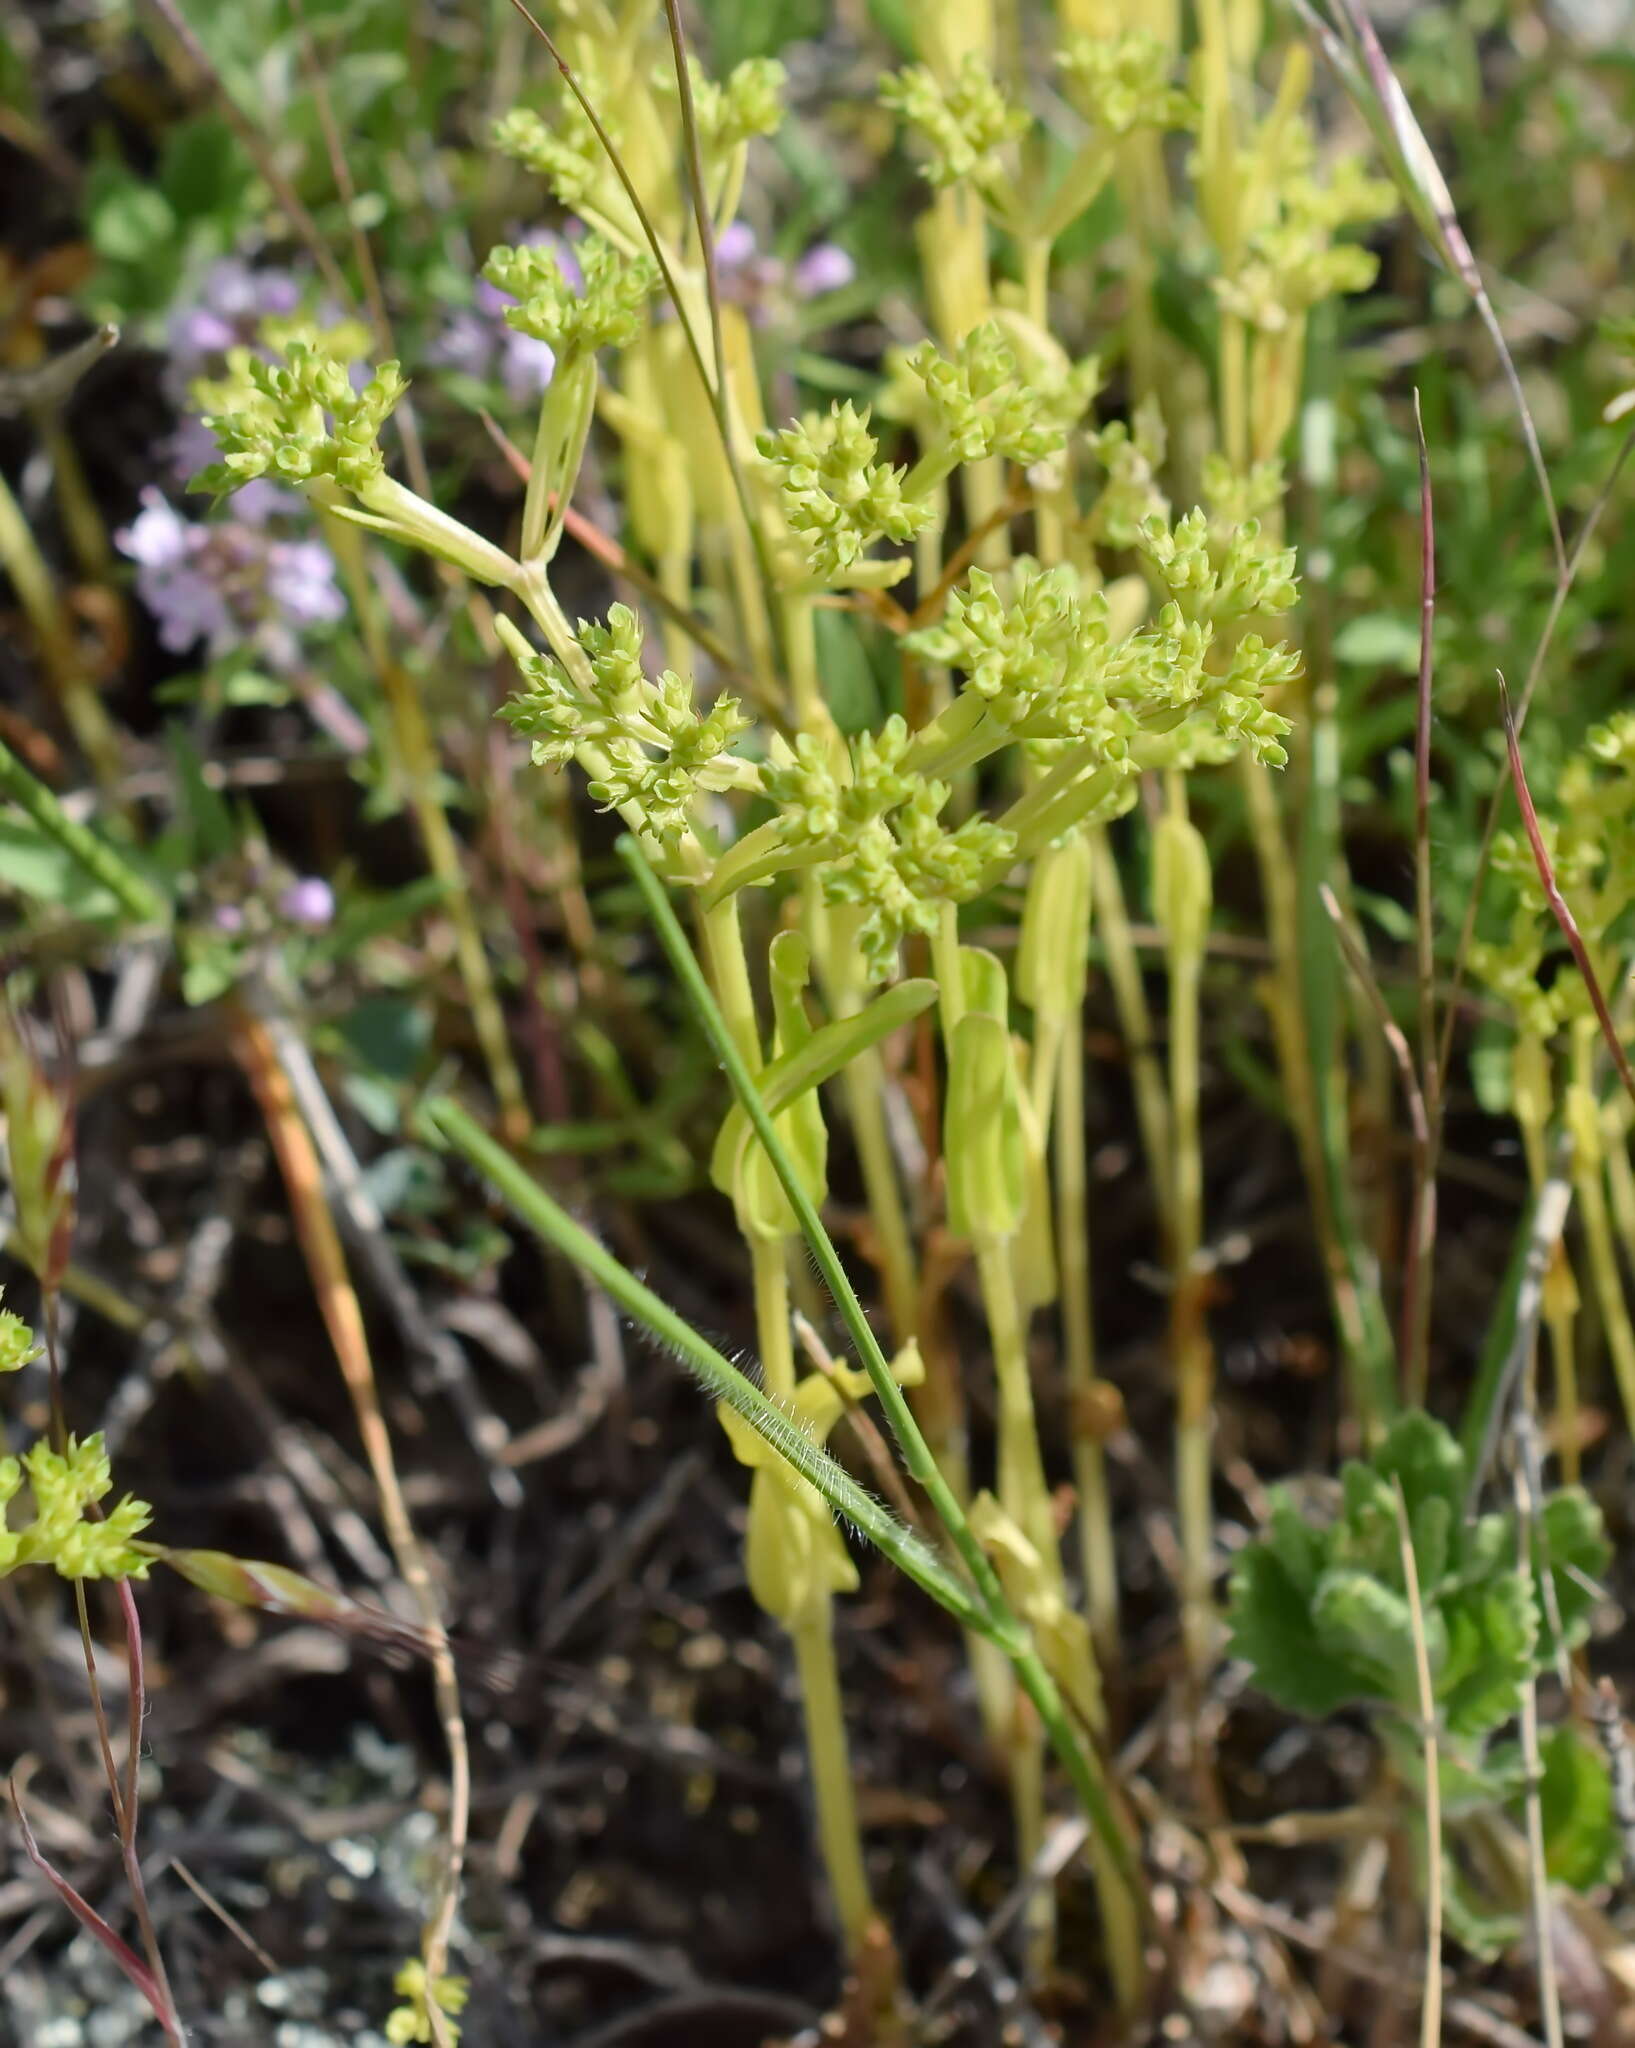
[[825, 267], [735, 245], [234, 584], [309, 902], [230, 302], [228, 918], [526, 365]]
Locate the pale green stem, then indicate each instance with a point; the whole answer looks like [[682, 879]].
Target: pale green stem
[[834, 1796], [1589, 1192], [945, 966], [1091, 1397], [811, 713], [839, 1835], [863, 1082], [1125, 1956], [83, 846], [87, 720], [1559, 1301], [1191, 1354], [1135, 1019], [729, 977], [416, 756], [1024, 1495]]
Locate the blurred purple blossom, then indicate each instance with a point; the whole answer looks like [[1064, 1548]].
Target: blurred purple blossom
[[234, 584], [825, 267], [309, 902], [477, 342], [230, 301]]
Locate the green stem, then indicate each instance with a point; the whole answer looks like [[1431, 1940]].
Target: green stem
[[1024, 1493], [834, 1797], [92, 853], [1135, 1020], [729, 976], [839, 1835], [1092, 1398], [90, 724], [1589, 1191], [416, 760], [1189, 1338]]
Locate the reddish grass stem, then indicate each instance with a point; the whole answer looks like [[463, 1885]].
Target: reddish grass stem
[[1559, 908]]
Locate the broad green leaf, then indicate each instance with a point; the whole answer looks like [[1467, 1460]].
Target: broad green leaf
[[1272, 1632], [1574, 1549], [1575, 1795]]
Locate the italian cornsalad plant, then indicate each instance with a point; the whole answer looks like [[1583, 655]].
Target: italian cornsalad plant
[[880, 743]]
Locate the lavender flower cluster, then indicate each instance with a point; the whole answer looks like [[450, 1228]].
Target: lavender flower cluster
[[249, 584], [236, 585]]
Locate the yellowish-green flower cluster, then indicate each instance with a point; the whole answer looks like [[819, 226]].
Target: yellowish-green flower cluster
[[1293, 261], [652, 747], [1122, 82], [563, 150], [732, 111], [300, 419], [874, 827], [983, 403], [1218, 573], [603, 311], [18, 1344], [64, 1486], [1042, 657], [839, 498], [961, 124], [411, 2021]]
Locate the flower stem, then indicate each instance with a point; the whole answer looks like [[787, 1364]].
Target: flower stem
[[1091, 1396], [91, 852], [90, 724]]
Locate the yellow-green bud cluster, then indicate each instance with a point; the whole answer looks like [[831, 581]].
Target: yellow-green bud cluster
[[1122, 82], [961, 124], [18, 1344], [1219, 573], [884, 846], [746, 103], [64, 1486], [1132, 453], [835, 494], [1293, 262], [411, 2021], [301, 419], [1037, 657], [983, 403], [603, 311], [1042, 656], [654, 749], [563, 150]]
